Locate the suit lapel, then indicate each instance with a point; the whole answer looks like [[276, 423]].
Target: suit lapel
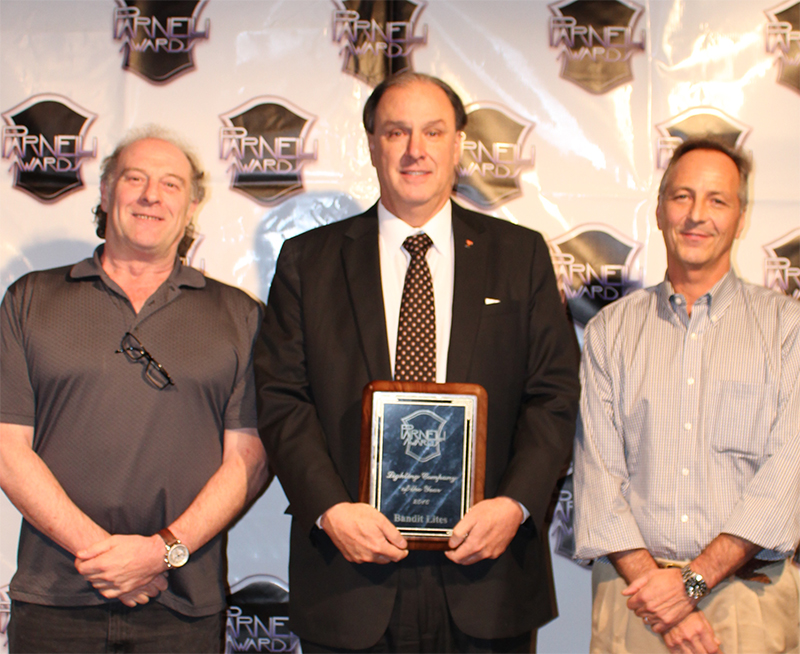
[[361, 260], [471, 254]]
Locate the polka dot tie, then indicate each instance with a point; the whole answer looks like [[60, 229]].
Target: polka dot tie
[[416, 332]]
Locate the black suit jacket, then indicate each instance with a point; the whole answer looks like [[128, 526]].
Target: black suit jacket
[[324, 338]]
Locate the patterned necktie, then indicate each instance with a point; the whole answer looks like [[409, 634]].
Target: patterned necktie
[[416, 332]]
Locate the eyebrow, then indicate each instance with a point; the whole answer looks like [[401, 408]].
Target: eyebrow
[[400, 123], [131, 169]]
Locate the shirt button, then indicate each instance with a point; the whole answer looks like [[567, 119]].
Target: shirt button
[[687, 426], [684, 518], [690, 381], [685, 472], [694, 336]]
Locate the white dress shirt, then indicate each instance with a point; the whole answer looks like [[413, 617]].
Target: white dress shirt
[[393, 231]]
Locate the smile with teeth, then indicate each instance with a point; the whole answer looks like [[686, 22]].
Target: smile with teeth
[[143, 216]]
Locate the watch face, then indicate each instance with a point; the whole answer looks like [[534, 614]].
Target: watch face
[[178, 555]]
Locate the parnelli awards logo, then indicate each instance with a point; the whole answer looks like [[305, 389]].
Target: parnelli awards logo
[[782, 265], [595, 40], [595, 265], [698, 121], [377, 37], [493, 155], [783, 40], [265, 141], [45, 139], [158, 37]]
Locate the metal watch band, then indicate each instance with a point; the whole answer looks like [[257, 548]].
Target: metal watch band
[[695, 585]]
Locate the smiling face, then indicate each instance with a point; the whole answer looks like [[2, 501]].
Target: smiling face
[[150, 202], [700, 215], [415, 149]]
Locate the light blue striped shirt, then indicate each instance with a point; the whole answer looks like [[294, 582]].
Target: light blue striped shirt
[[691, 424]]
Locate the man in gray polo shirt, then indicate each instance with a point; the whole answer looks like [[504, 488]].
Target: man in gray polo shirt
[[127, 428]]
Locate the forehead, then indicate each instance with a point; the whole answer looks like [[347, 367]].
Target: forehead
[[155, 154], [708, 166], [416, 102]]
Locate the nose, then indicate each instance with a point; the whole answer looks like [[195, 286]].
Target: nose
[[416, 145], [697, 212], [150, 191]]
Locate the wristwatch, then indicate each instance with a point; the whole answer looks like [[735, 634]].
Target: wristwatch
[[177, 553], [695, 585]]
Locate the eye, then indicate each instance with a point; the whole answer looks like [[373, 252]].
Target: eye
[[394, 134], [434, 133]]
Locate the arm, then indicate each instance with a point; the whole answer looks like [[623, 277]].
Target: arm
[[292, 431], [121, 563], [660, 596], [545, 423], [37, 495]]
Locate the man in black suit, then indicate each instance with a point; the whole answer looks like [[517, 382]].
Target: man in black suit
[[331, 327]]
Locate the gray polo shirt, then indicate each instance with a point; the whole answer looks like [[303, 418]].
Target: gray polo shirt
[[131, 456]]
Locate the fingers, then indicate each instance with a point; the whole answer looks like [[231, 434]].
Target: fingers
[[363, 534]]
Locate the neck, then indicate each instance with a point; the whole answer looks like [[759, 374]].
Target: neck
[[693, 284], [138, 278], [416, 217]]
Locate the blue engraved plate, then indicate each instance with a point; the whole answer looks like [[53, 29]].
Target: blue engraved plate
[[422, 447]]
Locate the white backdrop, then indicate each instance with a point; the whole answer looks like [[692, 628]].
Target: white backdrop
[[594, 150]]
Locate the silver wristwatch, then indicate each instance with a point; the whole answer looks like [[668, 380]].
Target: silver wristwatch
[[177, 553], [695, 585]]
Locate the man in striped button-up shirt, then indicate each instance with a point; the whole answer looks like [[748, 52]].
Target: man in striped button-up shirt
[[688, 468]]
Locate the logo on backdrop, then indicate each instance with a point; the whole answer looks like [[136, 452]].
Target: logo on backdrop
[[158, 36], [782, 265], [697, 121], [783, 38], [45, 139], [265, 141], [377, 37], [595, 41], [492, 158], [257, 617], [594, 265]]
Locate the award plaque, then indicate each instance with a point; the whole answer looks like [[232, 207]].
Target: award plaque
[[423, 456]]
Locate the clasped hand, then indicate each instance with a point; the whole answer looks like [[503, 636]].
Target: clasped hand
[[125, 567], [659, 597]]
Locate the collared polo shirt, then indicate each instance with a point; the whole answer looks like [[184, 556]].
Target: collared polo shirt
[[131, 456]]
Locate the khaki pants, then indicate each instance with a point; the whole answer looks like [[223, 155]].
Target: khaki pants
[[747, 616]]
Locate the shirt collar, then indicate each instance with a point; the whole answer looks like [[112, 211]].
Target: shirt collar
[[718, 298], [180, 276], [394, 231]]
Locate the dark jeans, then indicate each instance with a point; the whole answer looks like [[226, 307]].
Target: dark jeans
[[111, 627]]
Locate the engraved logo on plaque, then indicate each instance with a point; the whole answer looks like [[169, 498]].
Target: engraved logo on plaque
[[422, 434]]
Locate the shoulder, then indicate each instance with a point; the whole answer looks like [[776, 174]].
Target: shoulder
[[499, 228], [770, 307], [40, 281], [334, 232], [633, 308], [230, 295]]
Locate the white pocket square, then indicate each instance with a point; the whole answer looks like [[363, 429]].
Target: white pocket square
[[491, 300]]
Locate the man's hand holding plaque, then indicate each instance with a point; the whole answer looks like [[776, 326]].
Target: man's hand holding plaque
[[363, 534], [485, 532]]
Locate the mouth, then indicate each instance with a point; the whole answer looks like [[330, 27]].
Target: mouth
[[145, 216]]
